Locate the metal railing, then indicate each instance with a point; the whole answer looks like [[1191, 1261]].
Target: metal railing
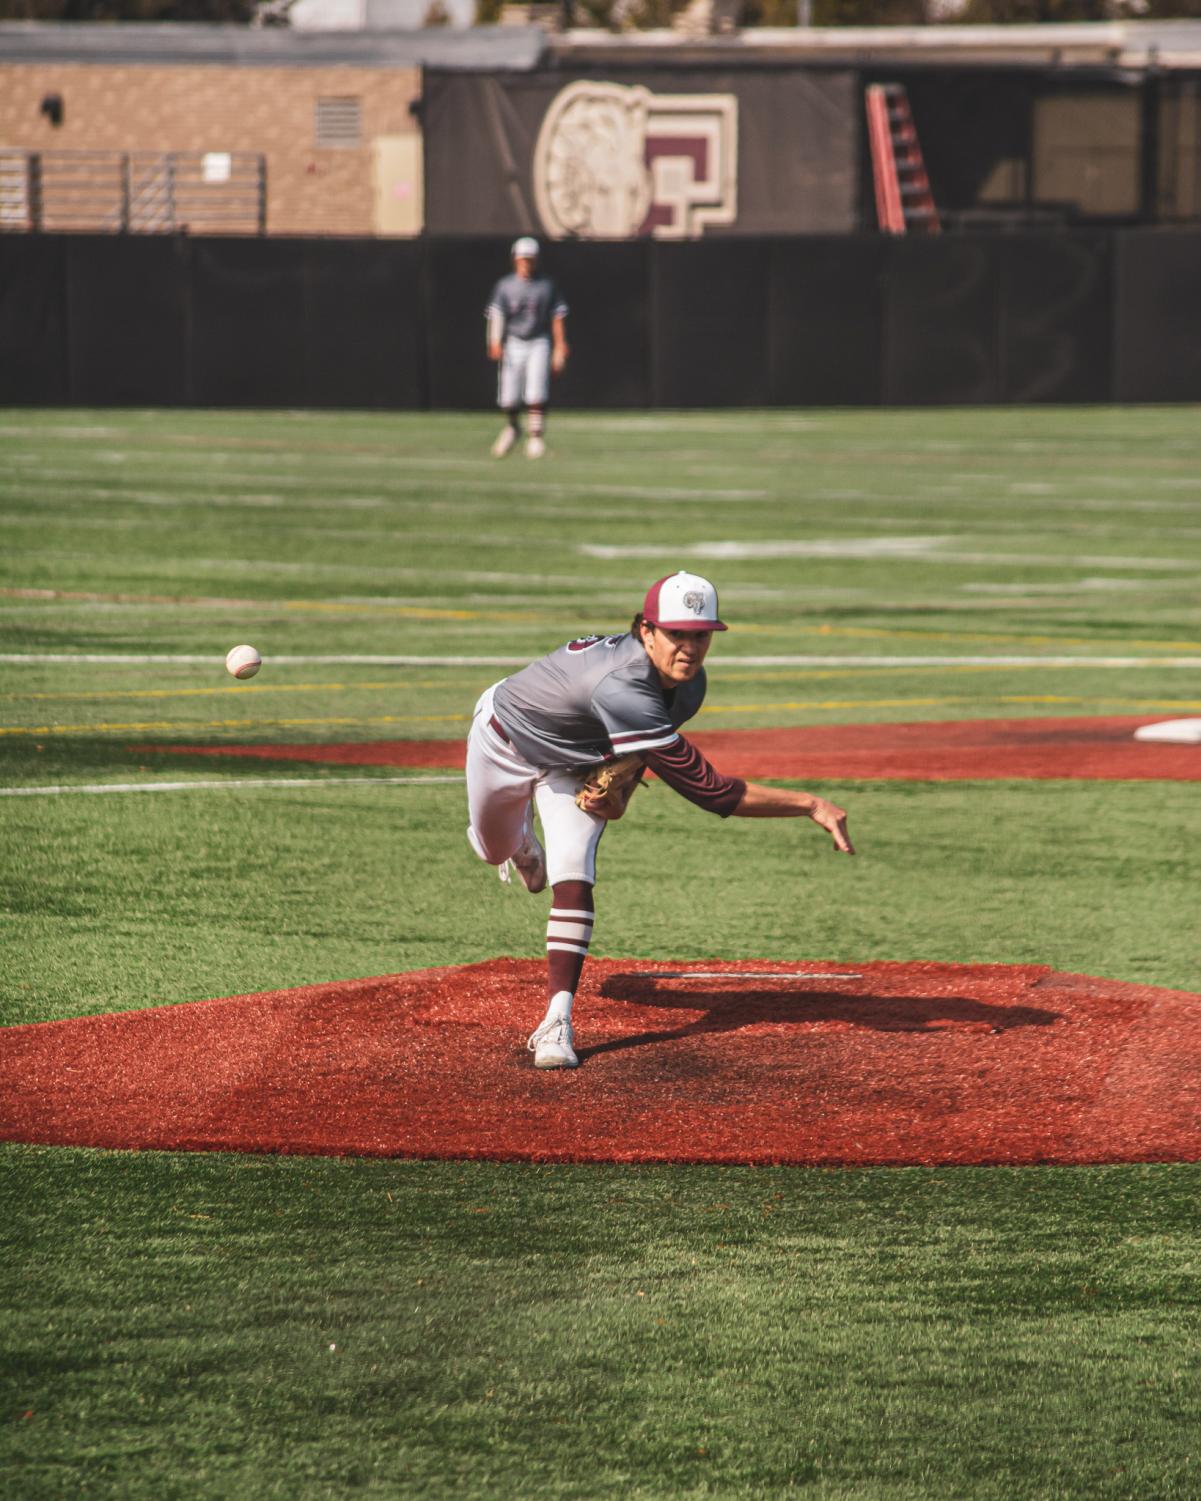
[[139, 192]]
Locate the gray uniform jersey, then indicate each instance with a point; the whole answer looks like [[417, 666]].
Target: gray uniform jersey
[[527, 307], [595, 698]]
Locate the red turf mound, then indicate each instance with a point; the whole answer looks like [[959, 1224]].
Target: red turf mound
[[925, 1063], [1093, 748]]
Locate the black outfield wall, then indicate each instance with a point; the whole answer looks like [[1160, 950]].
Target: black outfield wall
[[1088, 316]]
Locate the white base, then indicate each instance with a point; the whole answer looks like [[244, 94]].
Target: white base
[[1175, 731]]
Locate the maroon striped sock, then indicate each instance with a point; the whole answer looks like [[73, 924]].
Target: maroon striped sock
[[568, 934]]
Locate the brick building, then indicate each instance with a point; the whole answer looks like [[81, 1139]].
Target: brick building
[[288, 131], [291, 133]]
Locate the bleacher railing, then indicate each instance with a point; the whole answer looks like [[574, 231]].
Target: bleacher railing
[[139, 192]]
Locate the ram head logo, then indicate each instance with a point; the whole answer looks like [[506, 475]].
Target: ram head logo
[[613, 163]]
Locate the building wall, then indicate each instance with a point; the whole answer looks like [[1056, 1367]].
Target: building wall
[[311, 189]]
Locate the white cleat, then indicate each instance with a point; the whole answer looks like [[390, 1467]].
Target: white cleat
[[534, 448], [551, 1045], [530, 864], [503, 444]]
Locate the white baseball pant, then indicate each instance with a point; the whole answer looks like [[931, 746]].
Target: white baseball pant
[[524, 378], [500, 786]]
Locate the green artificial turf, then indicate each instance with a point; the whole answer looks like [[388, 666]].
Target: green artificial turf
[[218, 1327], [118, 902], [376, 533], [516, 1332]]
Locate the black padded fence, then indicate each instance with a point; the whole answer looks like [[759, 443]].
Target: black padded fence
[[34, 366], [711, 310], [459, 275], [1157, 316], [128, 318], [862, 320], [827, 301], [248, 323], [941, 331], [363, 321], [1055, 301], [609, 325]]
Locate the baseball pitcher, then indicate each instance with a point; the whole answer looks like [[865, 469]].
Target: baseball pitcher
[[572, 735], [527, 337]]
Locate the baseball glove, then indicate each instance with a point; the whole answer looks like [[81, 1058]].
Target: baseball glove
[[607, 789]]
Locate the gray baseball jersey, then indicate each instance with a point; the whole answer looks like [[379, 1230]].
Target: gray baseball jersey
[[595, 698], [528, 307]]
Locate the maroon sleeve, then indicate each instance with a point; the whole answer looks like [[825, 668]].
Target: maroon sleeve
[[687, 772]]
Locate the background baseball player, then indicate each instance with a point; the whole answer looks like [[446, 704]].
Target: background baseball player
[[541, 736], [527, 335]]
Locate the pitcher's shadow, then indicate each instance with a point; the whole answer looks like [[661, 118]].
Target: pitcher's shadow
[[732, 1008]]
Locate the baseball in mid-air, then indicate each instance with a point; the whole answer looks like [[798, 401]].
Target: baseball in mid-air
[[242, 661]]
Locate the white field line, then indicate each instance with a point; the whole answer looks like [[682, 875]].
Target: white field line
[[228, 783], [1076, 586], [1158, 597], [211, 659], [949, 661], [41, 430], [633, 424], [398, 492], [1080, 560], [559, 590], [708, 423], [619, 587], [401, 474], [892, 549], [750, 974], [1128, 522]]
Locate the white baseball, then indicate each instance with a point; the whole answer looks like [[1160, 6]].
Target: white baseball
[[242, 661]]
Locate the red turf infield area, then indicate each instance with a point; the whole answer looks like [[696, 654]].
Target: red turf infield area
[[910, 1064], [1093, 748]]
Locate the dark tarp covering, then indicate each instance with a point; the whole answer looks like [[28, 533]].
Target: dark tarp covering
[[797, 158], [1157, 312], [34, 368], [1052, 316]]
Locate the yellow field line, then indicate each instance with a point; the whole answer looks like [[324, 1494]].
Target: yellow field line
[[92, 695], [1150, 705], [409, 612], [423, 612], [227, 688], [869, 633], [795, 673], [183, 728], [347, 607], [397, 685], [186, 728]]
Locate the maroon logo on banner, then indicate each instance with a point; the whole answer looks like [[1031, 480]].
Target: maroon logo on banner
[[614, 162]]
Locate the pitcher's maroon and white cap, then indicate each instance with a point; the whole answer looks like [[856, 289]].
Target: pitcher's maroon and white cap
[[682, 602]]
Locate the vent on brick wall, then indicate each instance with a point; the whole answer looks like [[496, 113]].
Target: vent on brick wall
[[339, 121]]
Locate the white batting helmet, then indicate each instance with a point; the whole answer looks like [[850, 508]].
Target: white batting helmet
[[526, 246]]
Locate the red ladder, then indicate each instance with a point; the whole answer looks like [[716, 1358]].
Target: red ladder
[[904, 202]]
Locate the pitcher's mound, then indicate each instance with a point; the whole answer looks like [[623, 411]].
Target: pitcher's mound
[[754, 1062]]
